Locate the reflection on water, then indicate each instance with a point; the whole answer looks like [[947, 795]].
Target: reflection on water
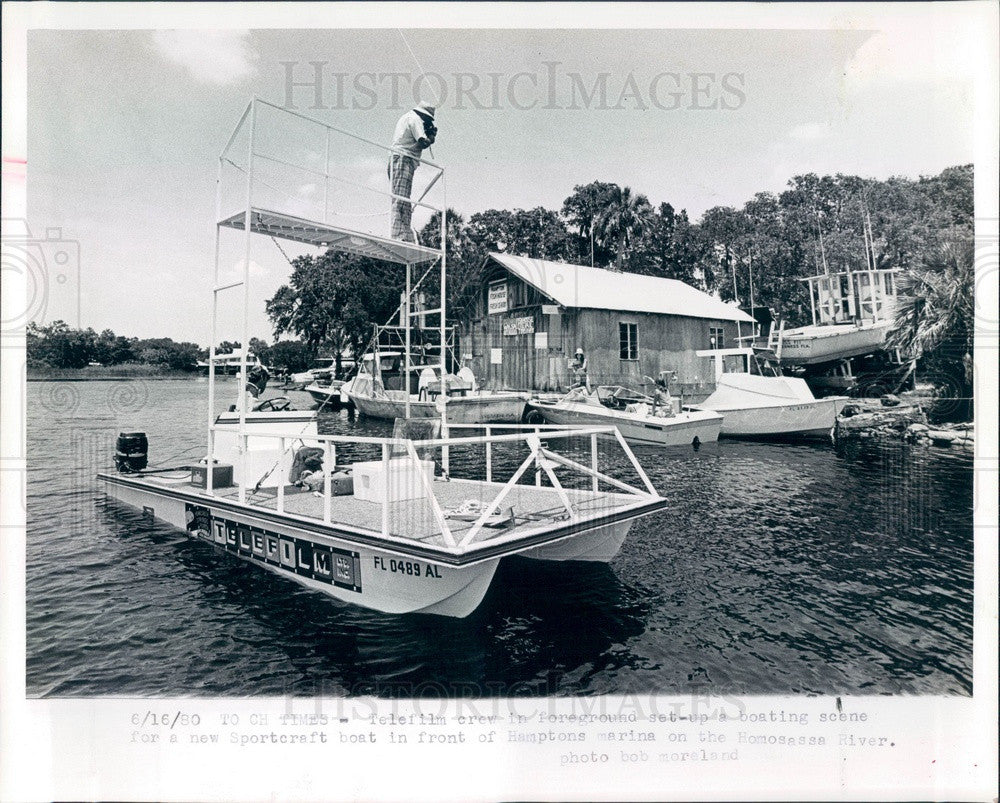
[[776, 569]]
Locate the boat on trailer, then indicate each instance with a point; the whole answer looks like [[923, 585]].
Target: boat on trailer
[[399, 524]]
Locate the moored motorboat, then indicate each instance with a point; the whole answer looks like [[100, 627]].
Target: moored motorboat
[[757, 401], [463, 402], [638, 417]]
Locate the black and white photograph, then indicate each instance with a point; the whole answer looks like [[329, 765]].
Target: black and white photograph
[[611, 393]]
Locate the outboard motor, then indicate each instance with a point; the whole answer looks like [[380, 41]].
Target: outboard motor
[[131, 452]]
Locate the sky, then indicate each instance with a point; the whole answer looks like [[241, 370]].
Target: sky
[[125, 128]]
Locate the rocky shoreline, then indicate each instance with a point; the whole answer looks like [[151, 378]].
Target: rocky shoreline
[[890, 418]]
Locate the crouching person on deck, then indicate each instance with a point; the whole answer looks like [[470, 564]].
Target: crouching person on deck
[[415, 131]]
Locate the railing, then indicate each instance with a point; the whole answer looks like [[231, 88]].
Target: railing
[[409, 458], [303, 149]]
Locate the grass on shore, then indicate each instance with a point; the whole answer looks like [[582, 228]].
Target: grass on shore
[[95, 372]]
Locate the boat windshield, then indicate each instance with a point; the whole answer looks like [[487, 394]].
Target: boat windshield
[[764, 365]]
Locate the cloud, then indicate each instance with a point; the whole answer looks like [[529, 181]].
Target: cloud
[[211, 57]]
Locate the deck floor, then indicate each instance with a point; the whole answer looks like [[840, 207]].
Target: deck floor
[[531, 506]]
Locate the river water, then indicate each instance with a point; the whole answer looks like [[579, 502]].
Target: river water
[[776, 569]]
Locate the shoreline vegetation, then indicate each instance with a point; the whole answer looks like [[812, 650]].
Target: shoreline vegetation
[[756, 255], [95, 373]]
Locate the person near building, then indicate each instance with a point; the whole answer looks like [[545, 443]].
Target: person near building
[[579, 370]]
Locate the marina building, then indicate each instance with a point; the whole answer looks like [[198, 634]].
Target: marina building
[[531, 315]]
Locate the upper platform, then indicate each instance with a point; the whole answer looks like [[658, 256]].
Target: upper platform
[[325, 235], [314, 183]]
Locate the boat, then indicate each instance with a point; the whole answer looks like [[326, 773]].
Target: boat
[[852, 312], [228, 364], [391, 524], [640, 418], [757, 401], [372, 394]]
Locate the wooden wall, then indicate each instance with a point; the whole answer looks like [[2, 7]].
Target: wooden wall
[[538, 359]]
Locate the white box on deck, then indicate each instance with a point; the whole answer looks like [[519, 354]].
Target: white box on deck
[[402, 480], [263, 455]]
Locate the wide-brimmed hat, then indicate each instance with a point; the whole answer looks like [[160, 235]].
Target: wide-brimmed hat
[[579, 351], [425, 108]]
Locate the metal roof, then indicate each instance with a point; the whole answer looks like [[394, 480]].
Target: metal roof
[[578, 286], [277, 224]]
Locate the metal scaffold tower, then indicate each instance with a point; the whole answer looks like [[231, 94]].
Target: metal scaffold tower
[[288, 157]]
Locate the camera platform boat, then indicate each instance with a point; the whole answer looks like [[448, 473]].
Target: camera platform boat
[[420, 527], [401, 524]]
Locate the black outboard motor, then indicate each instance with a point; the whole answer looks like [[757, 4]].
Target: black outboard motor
[[131, 452]]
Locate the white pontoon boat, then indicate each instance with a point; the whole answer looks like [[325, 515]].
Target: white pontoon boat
[[392, 524]]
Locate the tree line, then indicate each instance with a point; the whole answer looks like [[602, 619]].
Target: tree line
[[757, 253]]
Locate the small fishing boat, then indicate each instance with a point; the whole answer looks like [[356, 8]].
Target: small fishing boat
[[462, 403], [756, 401], [640, 418]]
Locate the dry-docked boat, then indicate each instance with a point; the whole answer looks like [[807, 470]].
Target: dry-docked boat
[[756, 401], [392, 524], [852, 313], [637, 416]]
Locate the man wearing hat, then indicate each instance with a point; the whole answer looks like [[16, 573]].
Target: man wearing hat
[[414, 132]]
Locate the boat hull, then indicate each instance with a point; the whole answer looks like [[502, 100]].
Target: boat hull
[[803, 419], [474, 409], [818, 344], [384, 580], [390, 409], [329, 396], [500, 408], [681, 430], [600, 545]]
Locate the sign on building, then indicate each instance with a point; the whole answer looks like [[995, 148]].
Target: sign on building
[[497, 298], [519, 326]]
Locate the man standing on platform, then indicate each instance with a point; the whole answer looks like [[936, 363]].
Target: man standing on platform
[[415, 131]]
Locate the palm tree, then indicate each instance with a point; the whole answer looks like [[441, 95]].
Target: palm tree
[[935, 314], [624, 219]]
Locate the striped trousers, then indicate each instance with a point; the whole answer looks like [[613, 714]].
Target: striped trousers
[[401, 170]]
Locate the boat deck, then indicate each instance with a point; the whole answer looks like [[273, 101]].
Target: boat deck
[[526, 509]]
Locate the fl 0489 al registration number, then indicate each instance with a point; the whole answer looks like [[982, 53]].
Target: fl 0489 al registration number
[[412, 568]]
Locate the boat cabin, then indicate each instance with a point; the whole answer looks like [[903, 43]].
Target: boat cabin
[[852, 296], [753, 361]]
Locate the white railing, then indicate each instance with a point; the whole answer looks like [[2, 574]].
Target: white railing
[[541, 458]]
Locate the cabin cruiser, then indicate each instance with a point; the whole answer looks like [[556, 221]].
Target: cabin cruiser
[[641, 418], [756, 400]]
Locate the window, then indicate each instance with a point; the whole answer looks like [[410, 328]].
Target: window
[[716, 337], [628, 341]]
